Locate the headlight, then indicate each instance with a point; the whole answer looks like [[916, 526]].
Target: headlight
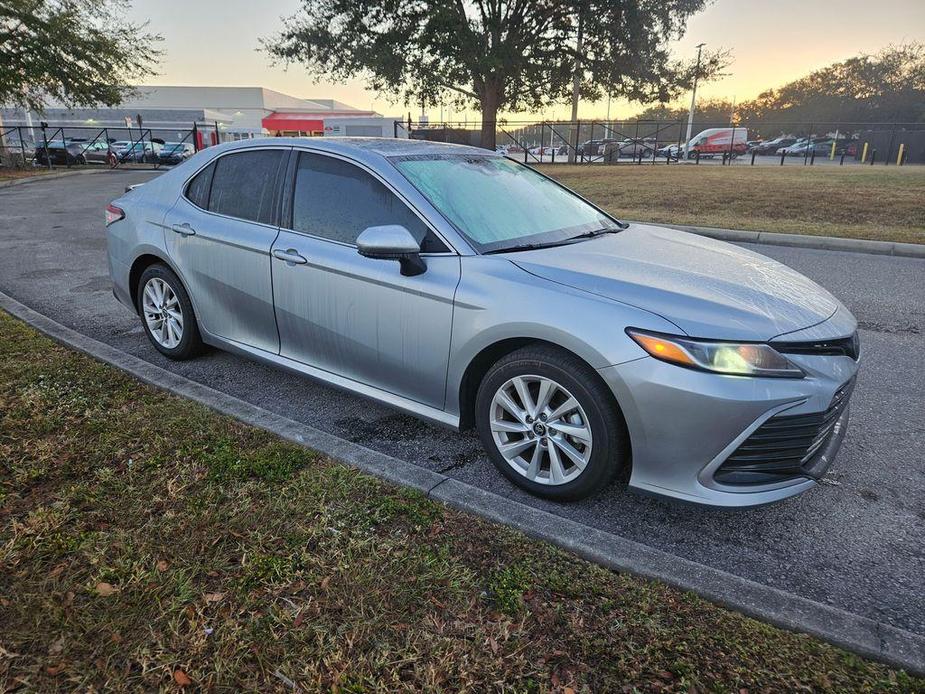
[[734, 358]]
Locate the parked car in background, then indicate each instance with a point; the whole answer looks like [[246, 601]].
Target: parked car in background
[[629, 147], [66, 153], [671, 151], [138, 152], [797, 148], [466, 288], [99, 152], [771, 146], [592, 148], [175, 152]]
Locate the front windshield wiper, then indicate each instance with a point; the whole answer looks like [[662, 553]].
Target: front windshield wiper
[[562, 242], [526, 247], [597, 232]]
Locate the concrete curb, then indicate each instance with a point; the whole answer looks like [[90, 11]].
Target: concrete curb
[[864, 636], [828, 243]]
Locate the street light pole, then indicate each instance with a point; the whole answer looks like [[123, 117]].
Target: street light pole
[[690, 115]]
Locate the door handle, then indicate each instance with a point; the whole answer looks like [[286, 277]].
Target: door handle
[[290, 255], [183, 229]]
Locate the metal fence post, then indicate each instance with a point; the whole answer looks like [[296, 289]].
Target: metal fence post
[[809, 145], [754, 152], [783, 155], [67, 161], [22, 145], [873, 156], [889, 150], [45, 140]]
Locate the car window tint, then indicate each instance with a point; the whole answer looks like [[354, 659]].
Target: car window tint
[[337, 200], [244, 183], [197, 192]]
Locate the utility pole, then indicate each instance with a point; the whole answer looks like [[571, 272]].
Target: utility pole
[[576, 83], [690, 115]]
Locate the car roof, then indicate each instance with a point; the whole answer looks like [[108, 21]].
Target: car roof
[[363, 147]]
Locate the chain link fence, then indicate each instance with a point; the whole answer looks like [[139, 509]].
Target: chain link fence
[[27, 146], [765, 142]]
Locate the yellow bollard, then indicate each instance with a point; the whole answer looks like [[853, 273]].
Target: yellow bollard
[[864, 153], [899, 157], [832, 153]]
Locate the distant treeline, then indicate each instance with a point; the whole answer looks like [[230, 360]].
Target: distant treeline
[[888, 87]]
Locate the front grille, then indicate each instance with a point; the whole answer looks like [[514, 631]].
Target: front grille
[[785, 446], [845, 346]]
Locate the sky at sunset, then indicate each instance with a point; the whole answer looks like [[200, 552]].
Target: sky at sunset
[[215, 42]]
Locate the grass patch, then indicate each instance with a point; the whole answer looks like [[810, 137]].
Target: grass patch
[[147, 542], [879, 203], [11, 174]]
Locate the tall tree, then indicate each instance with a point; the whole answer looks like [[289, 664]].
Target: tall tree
[[79, 52], [499, 55]]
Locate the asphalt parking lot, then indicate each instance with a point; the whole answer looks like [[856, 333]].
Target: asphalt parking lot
[[855, 542]]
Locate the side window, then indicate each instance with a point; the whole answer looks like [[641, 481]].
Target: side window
[[197, 192], [244, 185], [336, 200]]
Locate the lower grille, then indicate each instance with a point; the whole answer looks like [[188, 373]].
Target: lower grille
[[785, 446]]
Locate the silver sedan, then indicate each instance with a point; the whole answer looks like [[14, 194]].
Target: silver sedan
[[467, 289]]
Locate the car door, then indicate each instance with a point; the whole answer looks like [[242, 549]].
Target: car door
[[219, 235], [354, 316]]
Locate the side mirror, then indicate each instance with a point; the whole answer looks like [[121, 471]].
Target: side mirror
[[392, 242]]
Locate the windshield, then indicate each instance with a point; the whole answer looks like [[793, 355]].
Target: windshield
[[498, 204]]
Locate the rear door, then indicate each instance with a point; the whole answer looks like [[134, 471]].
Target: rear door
[[219, 235], [354, 316]]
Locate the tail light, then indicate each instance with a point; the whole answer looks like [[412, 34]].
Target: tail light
[[114, 214]]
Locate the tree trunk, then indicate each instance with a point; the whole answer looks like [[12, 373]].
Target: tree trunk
[[491, 100]]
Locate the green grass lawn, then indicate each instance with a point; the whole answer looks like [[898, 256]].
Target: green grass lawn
[[867, 202], [147, 542]]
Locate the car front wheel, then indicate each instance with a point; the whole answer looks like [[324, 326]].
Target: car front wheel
[[550, 424], [167, 314]]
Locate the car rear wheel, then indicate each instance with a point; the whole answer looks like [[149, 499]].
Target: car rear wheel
[[550, 425], [167, 314]]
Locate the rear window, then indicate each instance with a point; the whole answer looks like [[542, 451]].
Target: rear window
[[244, 185], [197, 192]]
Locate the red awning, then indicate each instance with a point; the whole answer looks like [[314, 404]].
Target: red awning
[[304, 122]]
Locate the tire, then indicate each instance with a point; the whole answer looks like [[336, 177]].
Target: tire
[[190, 343], [607, 451]]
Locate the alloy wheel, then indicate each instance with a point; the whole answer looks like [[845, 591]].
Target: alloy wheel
[[162, 313], [540, 429]]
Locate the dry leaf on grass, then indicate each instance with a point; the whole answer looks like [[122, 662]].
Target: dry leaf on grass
[[214, 597], [106, 589], [181, 678], [162, 565]]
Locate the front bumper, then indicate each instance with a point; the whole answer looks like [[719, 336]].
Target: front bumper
[[685, 424]]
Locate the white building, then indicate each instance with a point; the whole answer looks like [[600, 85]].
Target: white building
[[236, 112]]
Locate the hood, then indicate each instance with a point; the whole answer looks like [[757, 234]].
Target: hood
[[707, 288]]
